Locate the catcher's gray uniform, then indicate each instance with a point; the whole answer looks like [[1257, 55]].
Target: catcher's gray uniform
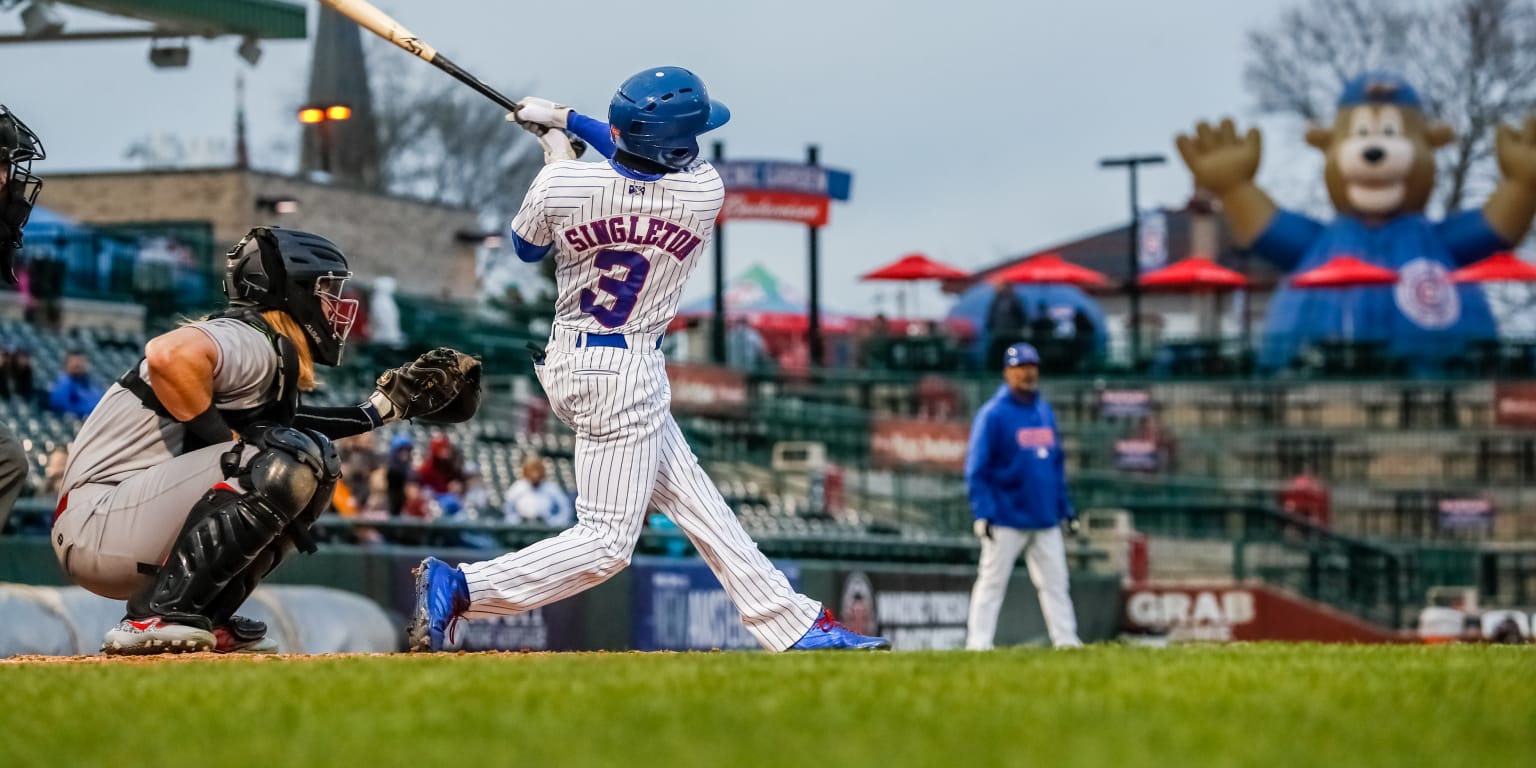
[[126, 494]]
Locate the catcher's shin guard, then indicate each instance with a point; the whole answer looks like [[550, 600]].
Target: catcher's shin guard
[[231, 540]]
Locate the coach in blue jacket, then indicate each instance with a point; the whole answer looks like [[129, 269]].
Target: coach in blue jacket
[[1016, 477]]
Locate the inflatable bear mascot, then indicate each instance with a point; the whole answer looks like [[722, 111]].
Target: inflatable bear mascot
[[1380, 173]]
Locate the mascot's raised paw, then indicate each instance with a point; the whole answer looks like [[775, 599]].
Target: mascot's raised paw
[[1220, 159], [1516, 150]]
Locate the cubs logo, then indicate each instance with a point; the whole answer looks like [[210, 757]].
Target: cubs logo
[[1425, 294]]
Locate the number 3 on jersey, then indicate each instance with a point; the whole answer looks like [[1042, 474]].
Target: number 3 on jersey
[[625, 292]]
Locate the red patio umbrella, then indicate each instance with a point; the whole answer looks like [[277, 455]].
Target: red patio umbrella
[[1500, 267], [1193, 274], [913, 267], [1050, 268], [1345, 272]]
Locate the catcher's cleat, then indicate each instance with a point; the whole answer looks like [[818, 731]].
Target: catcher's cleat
[[242, 635], [827, 635], [135, 637], [441, 596]]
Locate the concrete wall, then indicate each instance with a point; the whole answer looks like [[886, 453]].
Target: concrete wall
[[407, 239]]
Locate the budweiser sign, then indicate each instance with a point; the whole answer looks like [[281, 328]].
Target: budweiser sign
[[707, 389], [937, 444]]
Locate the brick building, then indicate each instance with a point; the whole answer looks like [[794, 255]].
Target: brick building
[[429, 249]]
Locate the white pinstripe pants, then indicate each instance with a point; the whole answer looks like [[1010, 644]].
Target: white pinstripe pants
[[630, 454]]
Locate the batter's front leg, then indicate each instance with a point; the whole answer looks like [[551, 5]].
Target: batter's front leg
[[614, 479], [772, 610]]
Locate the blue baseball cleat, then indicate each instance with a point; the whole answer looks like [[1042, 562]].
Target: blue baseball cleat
[[441, 596], [827, 634]]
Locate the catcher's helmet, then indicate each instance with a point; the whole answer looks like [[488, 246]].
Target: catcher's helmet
[[19, 146], [299, 273], [658, 114]]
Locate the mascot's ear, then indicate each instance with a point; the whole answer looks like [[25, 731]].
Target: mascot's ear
[[1439, 135], [1319, 137]]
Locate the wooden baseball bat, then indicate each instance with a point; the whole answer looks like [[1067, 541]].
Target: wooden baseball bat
[[380, 23]]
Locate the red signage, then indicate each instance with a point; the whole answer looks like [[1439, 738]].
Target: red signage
[[775, 205], [910, 442], [707, 389], [1226, 611], [1514, 404]]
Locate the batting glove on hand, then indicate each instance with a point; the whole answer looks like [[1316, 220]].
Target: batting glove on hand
[[534, 111], [982, 529], [557, 146], [1074, 526]]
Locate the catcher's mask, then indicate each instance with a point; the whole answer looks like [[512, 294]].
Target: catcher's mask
[[299, 273], [19, 146]]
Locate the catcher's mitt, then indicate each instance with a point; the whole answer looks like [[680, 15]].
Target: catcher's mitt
[[443, 384]]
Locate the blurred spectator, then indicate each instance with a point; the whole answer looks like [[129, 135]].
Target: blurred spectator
[[18, 375], [745, 349], [416, 503], [536, 499], [1006, 318], [1165, 445], [1042, 329], [443, 465], [377, 506], [399, 472], [53, 471], [1306, 496], [74, 392], [477, 499], [384, 315], [45, 276], [1083, 333]]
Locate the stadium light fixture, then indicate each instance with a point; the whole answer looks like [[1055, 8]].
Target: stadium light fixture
[[250, 50], [42, 19], [169, 56]]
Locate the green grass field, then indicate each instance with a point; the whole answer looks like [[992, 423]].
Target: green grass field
[[1291, 705]]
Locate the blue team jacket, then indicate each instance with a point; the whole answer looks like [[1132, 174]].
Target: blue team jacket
[[1014, 469]]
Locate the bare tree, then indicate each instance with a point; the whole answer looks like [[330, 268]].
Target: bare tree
[[442, 142], [1472, 61]]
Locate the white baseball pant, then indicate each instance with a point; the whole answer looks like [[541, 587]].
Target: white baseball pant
[[630, 454], [1046, 558]]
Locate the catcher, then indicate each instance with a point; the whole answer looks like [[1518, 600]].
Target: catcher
[[200, 469]]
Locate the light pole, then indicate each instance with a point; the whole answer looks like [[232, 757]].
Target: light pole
[[1132, 162], [321, 116]]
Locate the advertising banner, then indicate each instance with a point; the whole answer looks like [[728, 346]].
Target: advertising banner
[[1514, 404], [707, 389], [679, 605], [1124, 403], [916, 610], [1460, 514], [912, 442], [1224, 612], [775, 190]]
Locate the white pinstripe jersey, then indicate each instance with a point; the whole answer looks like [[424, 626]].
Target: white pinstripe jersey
[[623, 248]]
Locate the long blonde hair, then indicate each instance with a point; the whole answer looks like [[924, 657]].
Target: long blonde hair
[[283, 323]]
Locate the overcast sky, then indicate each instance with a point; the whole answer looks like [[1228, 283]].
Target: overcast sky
[[972, 129]]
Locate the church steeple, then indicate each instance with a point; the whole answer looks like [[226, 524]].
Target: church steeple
[[338, 75]]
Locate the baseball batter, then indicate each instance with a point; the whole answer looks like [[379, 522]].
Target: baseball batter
[[200, 470], [626, 233]]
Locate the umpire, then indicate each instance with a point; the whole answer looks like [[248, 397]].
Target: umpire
[[1016, 477]]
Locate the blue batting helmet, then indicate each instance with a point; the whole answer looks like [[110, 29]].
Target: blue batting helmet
[[659, 114], [1021, 354]]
